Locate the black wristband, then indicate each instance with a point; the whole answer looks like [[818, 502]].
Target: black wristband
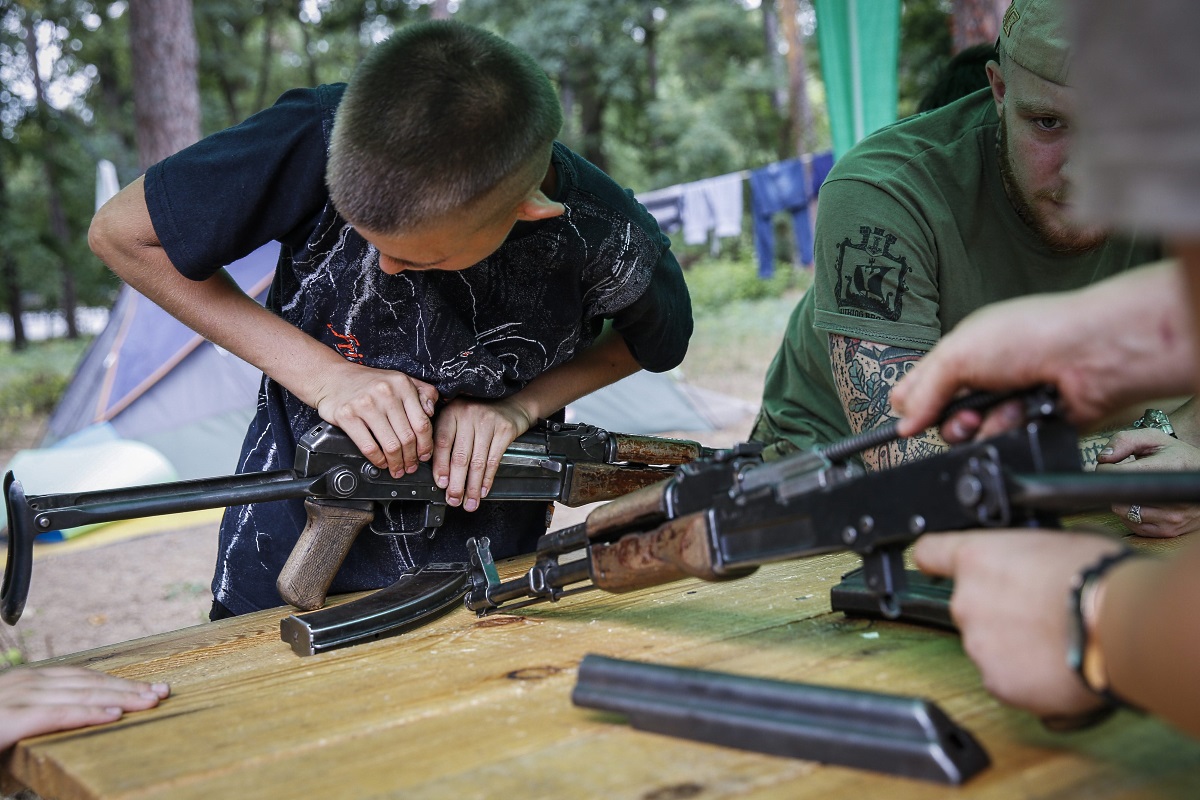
[[1076, 655]]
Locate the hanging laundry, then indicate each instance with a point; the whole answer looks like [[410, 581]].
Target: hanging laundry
[[712, 205], [821, 164], [782, 186], [665, 205]]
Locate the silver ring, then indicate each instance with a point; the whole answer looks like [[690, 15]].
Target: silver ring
[[1134, 515]]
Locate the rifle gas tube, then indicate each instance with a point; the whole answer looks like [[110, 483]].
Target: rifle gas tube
[[572, 464]]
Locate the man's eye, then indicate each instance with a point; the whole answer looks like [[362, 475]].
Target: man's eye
[[1048, 123]]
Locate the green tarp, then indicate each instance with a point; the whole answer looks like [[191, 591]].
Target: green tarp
[[859, 42]]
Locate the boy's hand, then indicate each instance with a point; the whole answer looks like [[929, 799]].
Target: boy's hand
[[384, 412], [470, 437]]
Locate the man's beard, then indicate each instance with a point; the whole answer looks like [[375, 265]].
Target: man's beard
[[1065, 239]]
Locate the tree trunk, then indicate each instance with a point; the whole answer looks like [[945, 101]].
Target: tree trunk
[[16, 311], [12, 283], [591, 102], [264, 65], [800, 120], [166, 94], [975, 21], [59, 229], [779, 97]]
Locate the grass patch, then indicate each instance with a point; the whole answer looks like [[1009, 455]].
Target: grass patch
[[715, 284], [740, 321], [32, 382]]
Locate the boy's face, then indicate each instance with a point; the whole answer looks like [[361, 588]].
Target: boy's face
[[462, 240], [444, 246]]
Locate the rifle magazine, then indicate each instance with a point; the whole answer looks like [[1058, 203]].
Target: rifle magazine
[[415, 599], [899, 735]]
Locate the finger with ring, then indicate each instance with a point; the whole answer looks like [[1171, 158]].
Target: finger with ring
[[1134, 515]]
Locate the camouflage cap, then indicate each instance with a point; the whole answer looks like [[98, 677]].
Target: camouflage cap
[[1034, 34]]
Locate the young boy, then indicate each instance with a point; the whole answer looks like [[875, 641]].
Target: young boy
[[439, 251]]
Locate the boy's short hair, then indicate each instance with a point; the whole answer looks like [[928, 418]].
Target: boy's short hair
[[434, 118]]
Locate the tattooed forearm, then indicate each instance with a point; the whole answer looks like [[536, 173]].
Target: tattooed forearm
[[864, 373]]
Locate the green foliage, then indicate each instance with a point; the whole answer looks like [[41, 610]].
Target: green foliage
[[716, 284], [656, 92], [32, 382], [925, 45]]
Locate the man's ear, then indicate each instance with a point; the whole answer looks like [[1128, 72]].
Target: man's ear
[[996, 81], [538, 206]]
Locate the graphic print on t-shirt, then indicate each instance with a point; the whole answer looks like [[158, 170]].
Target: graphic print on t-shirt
[[870, 277]]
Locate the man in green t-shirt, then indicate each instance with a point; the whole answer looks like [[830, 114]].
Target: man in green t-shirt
[[925, 221]]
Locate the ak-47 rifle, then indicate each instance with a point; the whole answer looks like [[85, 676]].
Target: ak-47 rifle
[[722, 517], [569, 463]]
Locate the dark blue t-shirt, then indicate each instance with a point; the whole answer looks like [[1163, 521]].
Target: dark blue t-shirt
[[484, 332]]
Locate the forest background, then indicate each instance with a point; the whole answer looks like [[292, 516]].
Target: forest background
[[655, 92]]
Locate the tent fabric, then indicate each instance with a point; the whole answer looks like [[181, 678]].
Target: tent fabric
[[859, 42], [154, 380], [653, 403], [94, 465]]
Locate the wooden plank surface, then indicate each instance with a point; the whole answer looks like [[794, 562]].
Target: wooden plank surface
[[469, 707]]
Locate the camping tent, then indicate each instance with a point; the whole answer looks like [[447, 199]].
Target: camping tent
[[150, 379]]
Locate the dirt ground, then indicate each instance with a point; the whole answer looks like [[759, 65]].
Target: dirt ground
[[90, 595]]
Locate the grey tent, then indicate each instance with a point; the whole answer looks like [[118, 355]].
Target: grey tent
[[148, 378]]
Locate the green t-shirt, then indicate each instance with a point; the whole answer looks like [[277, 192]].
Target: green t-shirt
[[914, 232]]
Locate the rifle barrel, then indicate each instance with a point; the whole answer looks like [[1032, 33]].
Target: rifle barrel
[[1089, 490]]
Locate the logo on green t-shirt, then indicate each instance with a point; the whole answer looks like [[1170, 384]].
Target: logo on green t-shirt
[[870, 277]]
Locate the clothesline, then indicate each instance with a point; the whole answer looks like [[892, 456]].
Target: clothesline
[[710, 209]]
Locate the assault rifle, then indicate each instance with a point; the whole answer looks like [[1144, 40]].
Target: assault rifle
[[569, 463], [721, 517]]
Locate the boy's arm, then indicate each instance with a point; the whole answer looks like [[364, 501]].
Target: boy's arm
[[471, 435], [386, 413]]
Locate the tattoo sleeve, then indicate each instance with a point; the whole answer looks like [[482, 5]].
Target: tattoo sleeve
[[864, 373]]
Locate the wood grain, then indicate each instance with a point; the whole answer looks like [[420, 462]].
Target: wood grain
[[480, 708]]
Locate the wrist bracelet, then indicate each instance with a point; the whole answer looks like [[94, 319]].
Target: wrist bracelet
[[1083, 655]]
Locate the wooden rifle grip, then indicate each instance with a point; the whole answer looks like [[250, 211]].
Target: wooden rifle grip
[[319, 552]]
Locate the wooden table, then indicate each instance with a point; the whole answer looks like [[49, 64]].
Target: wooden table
[[480, 708]]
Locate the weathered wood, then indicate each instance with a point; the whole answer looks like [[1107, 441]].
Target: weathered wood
[[468, 707]]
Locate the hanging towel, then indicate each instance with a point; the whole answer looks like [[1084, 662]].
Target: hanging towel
[[665, 205], [712, 205]]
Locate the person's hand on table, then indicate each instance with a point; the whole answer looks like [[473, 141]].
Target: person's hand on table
[[1010, 602], [470, 436], [36, 700], [1151, 449]]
